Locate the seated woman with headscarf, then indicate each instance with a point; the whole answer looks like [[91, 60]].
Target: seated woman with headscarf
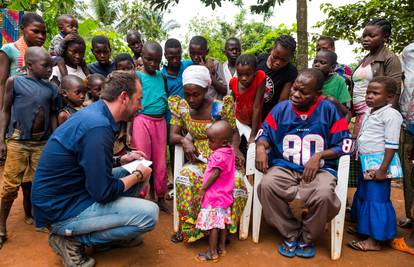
[[190, 120]]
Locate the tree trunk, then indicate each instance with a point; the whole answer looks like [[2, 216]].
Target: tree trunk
[[302, 32]]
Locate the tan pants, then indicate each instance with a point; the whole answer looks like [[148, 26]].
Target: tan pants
[[20, 165], [281, 186]]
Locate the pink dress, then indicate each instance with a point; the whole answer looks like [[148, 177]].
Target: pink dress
[[215, 208]]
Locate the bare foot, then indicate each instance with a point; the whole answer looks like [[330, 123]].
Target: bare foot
[[28, 220]]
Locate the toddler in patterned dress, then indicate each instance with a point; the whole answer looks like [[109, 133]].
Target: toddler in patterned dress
[[216, 194]]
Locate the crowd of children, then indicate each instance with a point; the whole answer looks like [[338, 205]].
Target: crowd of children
[[40, 90]]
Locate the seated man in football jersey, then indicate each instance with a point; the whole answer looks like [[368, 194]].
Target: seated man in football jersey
[[305, 135]]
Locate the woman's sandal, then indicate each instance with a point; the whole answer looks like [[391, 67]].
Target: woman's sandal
[[177, 237], [288, 249], [305, 250], [207, 257], [361, 246], [401, 245]]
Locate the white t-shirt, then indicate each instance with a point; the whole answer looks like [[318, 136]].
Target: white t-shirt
[[361, 78], [228, 76], [77, 72], [380, 130], [407, 63]]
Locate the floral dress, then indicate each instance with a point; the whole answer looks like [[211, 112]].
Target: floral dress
[[190, 179]]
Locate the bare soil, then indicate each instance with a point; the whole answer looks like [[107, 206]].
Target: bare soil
[[26, 247]]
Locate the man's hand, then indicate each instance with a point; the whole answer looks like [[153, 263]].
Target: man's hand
[[311, 168], [3, 150], [146, 172], [261, 159], [131, 156], [200, 195]]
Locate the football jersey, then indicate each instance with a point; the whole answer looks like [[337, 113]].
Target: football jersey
[[295, 136]]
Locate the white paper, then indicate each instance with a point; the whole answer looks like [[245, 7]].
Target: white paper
[[132, 166]]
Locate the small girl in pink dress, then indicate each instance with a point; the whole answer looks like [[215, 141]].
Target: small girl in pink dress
[[216, 194]]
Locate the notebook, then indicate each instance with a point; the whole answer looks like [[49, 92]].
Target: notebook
[[373, 162]]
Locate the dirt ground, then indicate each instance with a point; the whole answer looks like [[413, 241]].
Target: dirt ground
[[26, 247]]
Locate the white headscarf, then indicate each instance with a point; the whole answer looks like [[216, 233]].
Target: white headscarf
[[198, 75]]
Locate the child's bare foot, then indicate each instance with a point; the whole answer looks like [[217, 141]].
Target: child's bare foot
[[207, 256], [28, 220]]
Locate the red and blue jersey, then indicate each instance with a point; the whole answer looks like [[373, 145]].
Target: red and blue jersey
[[295, 136]]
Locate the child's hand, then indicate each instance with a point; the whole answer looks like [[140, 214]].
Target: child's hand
[[69, 37], [380, 174], [200, 195], [311, 168]]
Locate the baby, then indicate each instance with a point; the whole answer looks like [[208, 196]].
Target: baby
[[216, 193]]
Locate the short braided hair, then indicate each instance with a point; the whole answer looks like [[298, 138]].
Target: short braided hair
[[287, 42]]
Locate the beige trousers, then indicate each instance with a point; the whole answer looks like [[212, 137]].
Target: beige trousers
[[280, 186]]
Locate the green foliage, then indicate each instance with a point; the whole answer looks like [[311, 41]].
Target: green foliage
[[345, 22], [148, 21], [116, 40], [255, 37], [105, 11], [262, 6]]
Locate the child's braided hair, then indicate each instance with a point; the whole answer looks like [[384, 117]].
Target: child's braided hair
[[384, 24], [287, 42]]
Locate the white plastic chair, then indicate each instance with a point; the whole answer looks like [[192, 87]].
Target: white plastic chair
[[337, 223], [250, 170], [178, 165]]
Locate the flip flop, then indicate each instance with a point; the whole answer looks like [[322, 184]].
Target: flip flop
[[177, 237], [207, 257], [288, 249], [305, 250], [401, 245], [358, 245], [406, 223]]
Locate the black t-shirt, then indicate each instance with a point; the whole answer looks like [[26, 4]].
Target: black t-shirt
[[104, 70], [275, 81]]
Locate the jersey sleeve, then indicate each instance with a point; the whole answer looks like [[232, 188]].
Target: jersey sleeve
[[340, 137], [392, 125], [268, 130]]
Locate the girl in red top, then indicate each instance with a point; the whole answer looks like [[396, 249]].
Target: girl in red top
[[248, 90]]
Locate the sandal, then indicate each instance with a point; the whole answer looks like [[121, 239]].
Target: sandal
[[177, 237], [221, 252], [406, 223], [288, 249], [401, 245], [305, 250], [361, 246], [207, 257]]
